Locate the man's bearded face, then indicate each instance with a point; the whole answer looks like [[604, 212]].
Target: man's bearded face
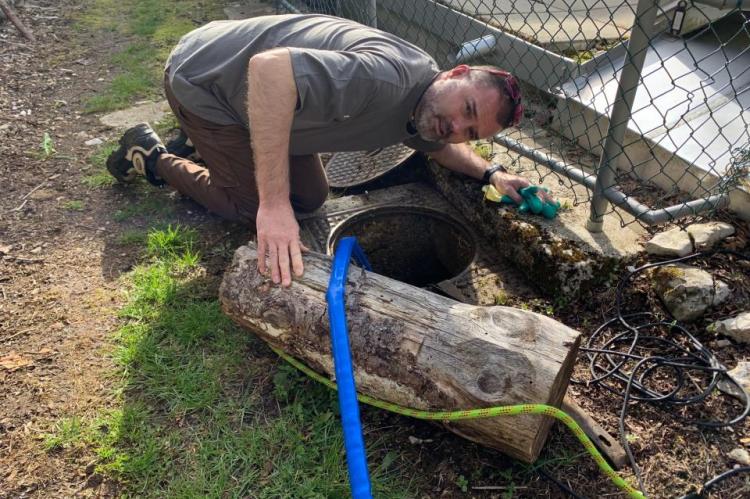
[[454, 109]]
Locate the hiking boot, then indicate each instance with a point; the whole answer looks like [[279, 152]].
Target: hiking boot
[[139, 149], [183, 147]]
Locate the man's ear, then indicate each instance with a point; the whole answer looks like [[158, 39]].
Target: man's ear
[[459, 71]]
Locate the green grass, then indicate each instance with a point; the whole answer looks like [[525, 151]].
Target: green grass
[[99, 180], [132, 237], [153, 28], [73, 205], [100, 177], [198, 413], [67, 432], [150, 205], [47, 147]]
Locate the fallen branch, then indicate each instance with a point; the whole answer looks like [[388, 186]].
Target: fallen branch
[[25, 331], [26, 32]]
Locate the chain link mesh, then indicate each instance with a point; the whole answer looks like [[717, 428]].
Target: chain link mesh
[[687, 133]]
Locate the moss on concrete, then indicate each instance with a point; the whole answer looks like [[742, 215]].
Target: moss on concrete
[[556, 266]]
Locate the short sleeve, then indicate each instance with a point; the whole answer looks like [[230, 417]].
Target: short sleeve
[[335, 85]]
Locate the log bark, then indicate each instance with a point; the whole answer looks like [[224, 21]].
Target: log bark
[[416, 348], [12, 17]]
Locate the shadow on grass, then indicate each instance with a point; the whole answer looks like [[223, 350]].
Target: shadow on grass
[[204, 408]]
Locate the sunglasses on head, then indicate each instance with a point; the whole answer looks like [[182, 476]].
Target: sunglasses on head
[[512, 90]]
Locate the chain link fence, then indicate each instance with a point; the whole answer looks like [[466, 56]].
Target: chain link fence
[[639, 105]]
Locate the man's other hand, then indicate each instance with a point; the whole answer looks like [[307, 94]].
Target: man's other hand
[[279, 246], [508, 184]]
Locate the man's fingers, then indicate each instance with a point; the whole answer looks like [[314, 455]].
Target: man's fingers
[[514, 195], [286, 275], [273, 261], [295, 251], [545, 196], [262, 248], [303, 247]]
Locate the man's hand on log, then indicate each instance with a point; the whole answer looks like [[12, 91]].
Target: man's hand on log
[[279, 246]]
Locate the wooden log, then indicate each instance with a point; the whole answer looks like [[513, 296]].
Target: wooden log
[[12, 17], [606, 443], [415, 348]]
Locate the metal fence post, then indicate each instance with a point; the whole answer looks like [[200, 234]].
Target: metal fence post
[[645, 17]]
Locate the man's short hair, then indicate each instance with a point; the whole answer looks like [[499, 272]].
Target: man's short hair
[[509, 89]]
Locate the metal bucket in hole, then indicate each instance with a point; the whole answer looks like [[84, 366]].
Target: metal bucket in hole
[[414, 245]]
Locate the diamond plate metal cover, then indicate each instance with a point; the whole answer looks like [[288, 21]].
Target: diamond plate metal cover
[[350, 169]]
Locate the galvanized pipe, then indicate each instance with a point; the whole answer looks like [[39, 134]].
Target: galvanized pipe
[[621, 200], [575, 173], [289, 7], [645, 17], [669, 213]]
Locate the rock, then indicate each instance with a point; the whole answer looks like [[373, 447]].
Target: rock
[[150, 112], [688, 291], [675, 242], [740, 455], [705, 236], [737, 327], [242, 10], [722, 343], [721, 292], [740, 374], [418, 441], [94, 142], [43, 194]]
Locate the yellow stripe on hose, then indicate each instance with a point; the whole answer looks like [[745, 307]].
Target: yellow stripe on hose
[[486, 412]]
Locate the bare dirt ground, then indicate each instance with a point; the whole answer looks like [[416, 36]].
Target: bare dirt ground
[[61, 255], [60, 249]]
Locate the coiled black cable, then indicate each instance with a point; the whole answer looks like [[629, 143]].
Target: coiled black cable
[[620, 360]]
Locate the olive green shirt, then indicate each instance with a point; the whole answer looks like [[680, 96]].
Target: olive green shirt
[[357, 87]]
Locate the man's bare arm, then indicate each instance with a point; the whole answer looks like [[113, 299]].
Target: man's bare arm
[[462, 159], [272, 97]]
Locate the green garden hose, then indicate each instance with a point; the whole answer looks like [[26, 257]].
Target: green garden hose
[[488, 412]]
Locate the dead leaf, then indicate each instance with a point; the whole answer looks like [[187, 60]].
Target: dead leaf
[[13, 361]]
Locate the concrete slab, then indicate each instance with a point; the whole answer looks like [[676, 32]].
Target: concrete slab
[[575, 24], [562, 22], [558, 255], [148, 112], [690, 114], [621, 237], [248, 8]]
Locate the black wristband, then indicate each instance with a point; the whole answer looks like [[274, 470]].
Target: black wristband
[[492, 169]]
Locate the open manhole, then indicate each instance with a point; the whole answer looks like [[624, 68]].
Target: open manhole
[[413, 245], [350, 169]]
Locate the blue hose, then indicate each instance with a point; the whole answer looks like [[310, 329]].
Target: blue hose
[[356, 458]]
